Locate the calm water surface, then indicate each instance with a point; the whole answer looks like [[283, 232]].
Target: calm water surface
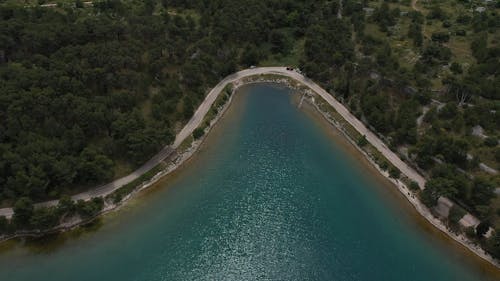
[[271, 198]]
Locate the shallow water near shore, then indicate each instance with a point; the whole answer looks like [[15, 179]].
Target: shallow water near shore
[[270, 196]]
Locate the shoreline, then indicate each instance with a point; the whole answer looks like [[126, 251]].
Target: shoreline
[[178, 158], [407, 193], [386, 187]]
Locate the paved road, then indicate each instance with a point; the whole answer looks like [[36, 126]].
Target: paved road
[[205, 107]]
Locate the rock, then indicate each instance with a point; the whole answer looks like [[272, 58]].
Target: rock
[[410, 90], [478, 131], [469, 221], [443, 207]]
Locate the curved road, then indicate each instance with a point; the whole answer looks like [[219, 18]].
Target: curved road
[[205, 107]]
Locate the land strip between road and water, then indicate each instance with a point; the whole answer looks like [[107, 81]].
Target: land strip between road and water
[[184, 146]]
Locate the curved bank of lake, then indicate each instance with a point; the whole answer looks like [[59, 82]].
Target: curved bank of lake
[[269, 197]]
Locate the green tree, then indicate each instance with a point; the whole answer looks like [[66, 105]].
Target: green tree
[[456, 214], [23, 211], [493, 244], [456, 68], [394, 172], [44, 218], [95, 167], [415, 33], [79, 4], [483, 191], [4, 224], [362, 141], [89, 209], [198, 133], [66, 205]]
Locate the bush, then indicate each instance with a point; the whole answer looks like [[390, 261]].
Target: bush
[[493, 244], [429, 197], [482, 228], [456, 68], [198, 133], [441, 37], [384, 166], [44, 218], [362, 141], [414, 186], [79, 4], [23, 210], [4, 224], [456, 214], [394, 172], [491, 141], [470, 232], [229, 89], [446, 24], [89, 209], [66, 206], [120, 193]]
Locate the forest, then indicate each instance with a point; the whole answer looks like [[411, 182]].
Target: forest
[[90, 92]]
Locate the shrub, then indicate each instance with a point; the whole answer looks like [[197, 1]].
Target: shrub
[[429, 197], [66, 205], [446, 24], [441, 37], [44, 218], [456, 68], [4, 224], [384, 166], [491, 141], [362, 141], [456, 214], [88, 209], [482, 228], [493, 244], [198, 133], [394, 172], [23, 210], [470, 232], [414, 186]]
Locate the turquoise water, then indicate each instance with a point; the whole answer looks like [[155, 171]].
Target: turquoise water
[[271, 198]]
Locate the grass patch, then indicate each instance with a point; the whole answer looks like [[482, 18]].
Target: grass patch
[[120, 193], [214, 110], [122, 168], [186, 143], [291, 59]]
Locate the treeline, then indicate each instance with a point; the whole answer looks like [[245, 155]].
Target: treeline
[[86, 91]]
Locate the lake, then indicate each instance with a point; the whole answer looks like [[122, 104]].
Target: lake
[[270, 196]]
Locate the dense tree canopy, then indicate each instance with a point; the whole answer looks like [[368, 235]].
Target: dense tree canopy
[[87, 90]]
